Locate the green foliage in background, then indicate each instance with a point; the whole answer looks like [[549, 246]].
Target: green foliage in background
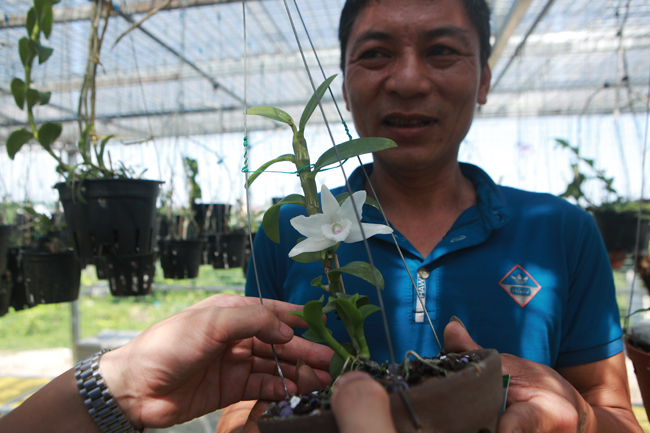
[[46, 326]]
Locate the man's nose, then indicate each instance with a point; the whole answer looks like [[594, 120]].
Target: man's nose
[[409, 77]]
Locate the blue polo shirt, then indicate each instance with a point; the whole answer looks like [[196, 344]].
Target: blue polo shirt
[[527, 273]]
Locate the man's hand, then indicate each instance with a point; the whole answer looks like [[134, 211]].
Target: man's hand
[[208, 357], [586, 398]]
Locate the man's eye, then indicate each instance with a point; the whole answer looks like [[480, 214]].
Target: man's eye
[[441, 50], [371, 54]]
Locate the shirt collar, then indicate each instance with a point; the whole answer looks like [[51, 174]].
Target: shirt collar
[[491, 203]]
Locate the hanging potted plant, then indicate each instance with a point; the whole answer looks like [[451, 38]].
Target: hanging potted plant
[[617, 221], [615, 216], [108, 208], [232, 242], [181, 252], [212, 220], [51, 272], [331, 222], [5, 278]]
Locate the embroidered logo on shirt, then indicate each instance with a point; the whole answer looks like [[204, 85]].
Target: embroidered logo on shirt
[[520, 285]]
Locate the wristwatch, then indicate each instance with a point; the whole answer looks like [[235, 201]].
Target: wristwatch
[[98, 399]]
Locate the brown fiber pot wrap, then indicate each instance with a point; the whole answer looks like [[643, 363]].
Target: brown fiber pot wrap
[[641, 361], [464, 402]]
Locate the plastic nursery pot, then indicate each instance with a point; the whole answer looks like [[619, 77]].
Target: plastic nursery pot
[[230, 251], [181, 258], [5, 292], [641, 360], [118, 216], [51, 277], [618, 230], [129, 275], [467, 401], [212, 218], [5, 231], [17, 280]]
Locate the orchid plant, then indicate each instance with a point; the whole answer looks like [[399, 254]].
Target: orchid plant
[[328, 223]]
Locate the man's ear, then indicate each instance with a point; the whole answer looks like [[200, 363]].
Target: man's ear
[[484, 85], [345, 95]]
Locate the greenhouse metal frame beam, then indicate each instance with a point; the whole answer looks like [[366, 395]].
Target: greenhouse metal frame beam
[[517, 12], [63, 15]]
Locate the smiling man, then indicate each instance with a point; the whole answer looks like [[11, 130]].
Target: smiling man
[[526, 273]]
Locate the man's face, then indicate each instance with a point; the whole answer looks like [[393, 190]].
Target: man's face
[[412, 74]]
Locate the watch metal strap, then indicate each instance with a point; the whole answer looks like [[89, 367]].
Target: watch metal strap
[[98, 399]]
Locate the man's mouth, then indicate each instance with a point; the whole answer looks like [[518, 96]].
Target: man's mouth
[[400, 122]]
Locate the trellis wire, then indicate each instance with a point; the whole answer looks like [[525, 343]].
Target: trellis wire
[[248, 207]]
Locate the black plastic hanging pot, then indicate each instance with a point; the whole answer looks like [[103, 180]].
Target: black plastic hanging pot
[[5, 277], [129, 275], [181, 259], [17, 280], [5, 231], [619, 231], [118, 216], [5, 292], [51, 277], [231, 251], [212, 218]]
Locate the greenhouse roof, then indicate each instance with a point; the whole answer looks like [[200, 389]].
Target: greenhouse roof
[[182, 71]]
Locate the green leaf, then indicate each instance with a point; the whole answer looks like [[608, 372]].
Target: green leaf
[[30, 21], [316, 282], [48, 133], [271, 220], [314, 337], [312, 314], [27, 51], [308, 257], [102, 147], [47, 18], [336, 366], [16, 140], [331, 304], [33, 98], [313, 102], [348, 312], [18, 92], [271, 113], [44, 97], [289, 157], [44, 53], [353, 148], [361, 270], [367, 310]]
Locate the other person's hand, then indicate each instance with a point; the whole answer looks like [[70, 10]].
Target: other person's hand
[[209, 356]]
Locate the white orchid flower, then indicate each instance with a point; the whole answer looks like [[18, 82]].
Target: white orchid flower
[[336, 224]]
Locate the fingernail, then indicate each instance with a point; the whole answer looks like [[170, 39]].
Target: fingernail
[[456, 319], [285, 330]]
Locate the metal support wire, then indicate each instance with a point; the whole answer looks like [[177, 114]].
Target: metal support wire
[[372, 189], [640, 210], [248, 201]]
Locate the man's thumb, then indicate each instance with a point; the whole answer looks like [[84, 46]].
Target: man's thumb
[[457, 338]]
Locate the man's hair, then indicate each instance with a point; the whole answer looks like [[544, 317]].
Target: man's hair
[[477, 10]]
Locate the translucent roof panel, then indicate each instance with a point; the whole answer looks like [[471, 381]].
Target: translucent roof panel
[[186, 70]]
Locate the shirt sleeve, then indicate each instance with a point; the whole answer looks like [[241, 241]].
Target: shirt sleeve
[[591, 329]]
